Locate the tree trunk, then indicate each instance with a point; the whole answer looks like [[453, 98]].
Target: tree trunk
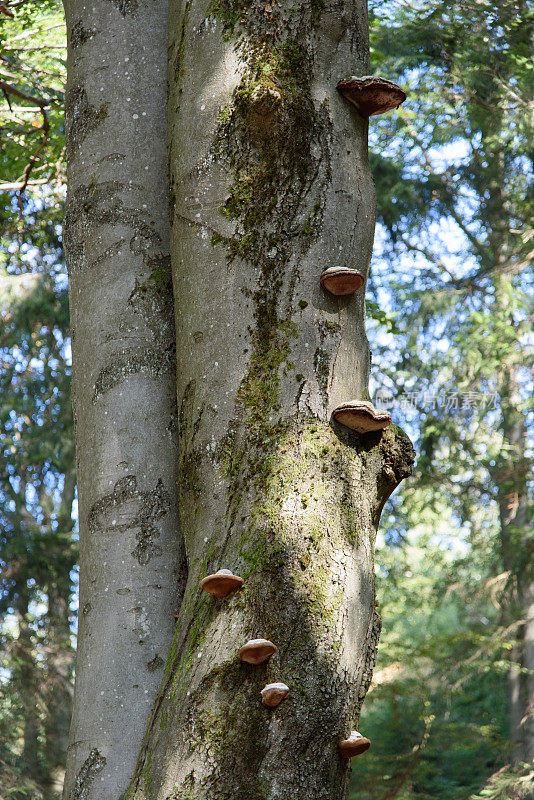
[[511, 478], [269, 185], [510, 473], [117, 245], [58, 694], [60, 654], [25, 677]]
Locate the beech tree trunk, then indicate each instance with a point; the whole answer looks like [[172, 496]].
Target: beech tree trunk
[[269, 185], [117, 245]]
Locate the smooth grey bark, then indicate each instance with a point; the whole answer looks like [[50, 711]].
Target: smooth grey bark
[[117, 245], [270, 184]]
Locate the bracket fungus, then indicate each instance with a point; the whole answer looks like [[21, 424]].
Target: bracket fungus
[[341, 281], [361, 416], [256, 651], [221, 583], [371, 95], [273, 694], [354, 745]]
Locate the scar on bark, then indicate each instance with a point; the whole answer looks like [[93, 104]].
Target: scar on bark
[[156, 663], [150, 298], [82, 117], [102, 204], [80, 35], [141, 510], [125, 6], [369, 660], [148, 361], [329, 339], [90, 769]]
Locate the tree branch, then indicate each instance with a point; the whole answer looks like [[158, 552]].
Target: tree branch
[[416, 753], [8, 88]]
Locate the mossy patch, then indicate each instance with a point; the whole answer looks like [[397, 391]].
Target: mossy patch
[[82, 117], [270, 136], [155, 663], [179, 57]]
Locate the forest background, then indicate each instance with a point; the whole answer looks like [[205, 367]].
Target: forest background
[[450, 308]]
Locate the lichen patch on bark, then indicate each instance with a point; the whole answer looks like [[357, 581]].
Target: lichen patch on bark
[[79, 35], [93, 764], [125, 6], [82, 117], [95, 205]]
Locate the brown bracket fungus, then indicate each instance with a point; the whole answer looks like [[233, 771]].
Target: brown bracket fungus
[[354, 745], [221, 583], [256, 651], [273, 694], [341, 281], [361, 416], [371, 95]]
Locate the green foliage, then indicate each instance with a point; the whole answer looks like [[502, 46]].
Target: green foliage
[[453, 172], [37, 487], [32, 75], [37, 548], [509, 783], [436, 715]]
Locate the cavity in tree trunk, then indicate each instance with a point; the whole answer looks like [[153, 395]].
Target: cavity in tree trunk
[[117, 245], [269, 185]]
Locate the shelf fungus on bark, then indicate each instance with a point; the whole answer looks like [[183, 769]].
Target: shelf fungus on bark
[[221, 583], [353, 745], [371, 95], [256, 651], [341, 281], [273, 694], [361, 416]]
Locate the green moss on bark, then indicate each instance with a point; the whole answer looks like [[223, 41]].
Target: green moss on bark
[[273, 140], [295, 505]]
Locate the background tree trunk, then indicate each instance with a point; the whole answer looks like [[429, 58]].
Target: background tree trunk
[[60, 653], [25, 677], [58, 695], [511, 478], [116, 238], [269, 185]]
